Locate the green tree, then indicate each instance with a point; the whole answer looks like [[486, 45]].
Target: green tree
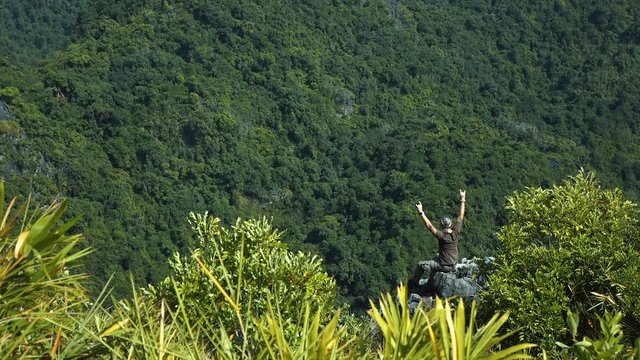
[[573, 247]]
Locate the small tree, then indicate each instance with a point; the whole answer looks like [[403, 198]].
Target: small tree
[[235, 276], [572, 247]]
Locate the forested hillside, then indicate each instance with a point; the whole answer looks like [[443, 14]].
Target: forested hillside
[[30, 30], [332, 118]]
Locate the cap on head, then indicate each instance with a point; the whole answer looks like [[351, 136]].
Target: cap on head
[[446, 222]]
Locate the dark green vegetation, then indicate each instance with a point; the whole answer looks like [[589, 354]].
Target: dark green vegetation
[[331, 118], [29, 30]]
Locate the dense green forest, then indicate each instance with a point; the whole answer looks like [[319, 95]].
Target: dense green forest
[[332, 118]]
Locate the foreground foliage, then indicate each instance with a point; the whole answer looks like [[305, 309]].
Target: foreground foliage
[[242, 295], [215, 308], [609, 343], [39, 294], [573, 247], [443, 332], [235, 276]]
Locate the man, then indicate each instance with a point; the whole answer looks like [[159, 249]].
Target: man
[[447, 244]]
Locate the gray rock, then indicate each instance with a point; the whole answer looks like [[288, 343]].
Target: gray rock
[[5, 111], [466, 280]]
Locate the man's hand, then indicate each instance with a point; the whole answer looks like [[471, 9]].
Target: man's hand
[[419, 206], [463, 195]]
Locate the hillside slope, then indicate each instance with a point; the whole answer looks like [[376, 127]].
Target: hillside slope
[[334, 119]]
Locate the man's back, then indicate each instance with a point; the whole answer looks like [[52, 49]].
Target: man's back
[[448, 244]]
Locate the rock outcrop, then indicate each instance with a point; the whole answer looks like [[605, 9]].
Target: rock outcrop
[[466, 281], [5, 111]]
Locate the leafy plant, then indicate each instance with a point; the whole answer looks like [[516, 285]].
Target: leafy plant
[[314, 341], [229, 278], [145, 329], [39, 293], [608, 345], [573, 246], [441, 333]]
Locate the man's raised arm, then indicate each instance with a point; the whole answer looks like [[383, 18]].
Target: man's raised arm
[[463, 195], [425, 219]]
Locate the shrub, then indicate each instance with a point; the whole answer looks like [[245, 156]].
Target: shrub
[[574, 246], [233, 274]]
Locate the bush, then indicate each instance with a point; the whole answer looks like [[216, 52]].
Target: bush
[[234, 275], [572, 247]]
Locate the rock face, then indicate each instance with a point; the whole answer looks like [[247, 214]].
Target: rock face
[[5, 111], [466, 281], [448, 285]]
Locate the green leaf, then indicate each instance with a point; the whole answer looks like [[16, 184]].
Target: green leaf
[[584, 343], [572, 322]]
